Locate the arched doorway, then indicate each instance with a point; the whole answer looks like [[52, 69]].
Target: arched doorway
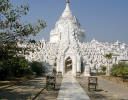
[[68, 64]]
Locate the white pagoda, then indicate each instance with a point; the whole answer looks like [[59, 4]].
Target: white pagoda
[[67, 50], [67, 34]]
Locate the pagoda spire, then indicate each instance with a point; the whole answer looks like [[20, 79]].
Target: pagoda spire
[[68, 1], [67, 12]]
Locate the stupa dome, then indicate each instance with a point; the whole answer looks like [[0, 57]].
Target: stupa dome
[[67, 28]]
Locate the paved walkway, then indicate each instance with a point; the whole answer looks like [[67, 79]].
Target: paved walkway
[[71, 90]]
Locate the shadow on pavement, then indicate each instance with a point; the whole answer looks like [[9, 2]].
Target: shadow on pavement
[[22, 91]]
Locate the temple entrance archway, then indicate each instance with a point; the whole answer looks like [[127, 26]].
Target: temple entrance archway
[[68, 64]]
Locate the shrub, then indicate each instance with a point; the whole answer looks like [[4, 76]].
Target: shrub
[[103, 68], [14, 67], [37, 67], [120, 69]]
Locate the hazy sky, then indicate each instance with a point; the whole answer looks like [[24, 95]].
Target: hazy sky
[[104, 20]]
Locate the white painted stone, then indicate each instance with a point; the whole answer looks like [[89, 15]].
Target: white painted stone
[[87, 70], [66, 40]]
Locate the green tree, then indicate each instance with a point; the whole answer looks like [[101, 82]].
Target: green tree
[[38, 68], [103, 68], [10, 24], [120, 69], [13, 29]]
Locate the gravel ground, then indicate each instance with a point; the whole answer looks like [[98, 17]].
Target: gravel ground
[[28, 90], [50, 94], [106, 90]]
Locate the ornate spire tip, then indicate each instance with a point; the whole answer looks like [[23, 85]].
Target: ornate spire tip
[[67, 1]]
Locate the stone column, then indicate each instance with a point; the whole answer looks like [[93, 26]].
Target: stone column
[[78, 64], [74, 65], [87, 70], [62, 65], [58, 64]]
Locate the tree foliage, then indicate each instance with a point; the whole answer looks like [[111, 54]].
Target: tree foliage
[[38, 68], [120, 69], [108, 56], [14, 67], [103, 68], [12, 29]]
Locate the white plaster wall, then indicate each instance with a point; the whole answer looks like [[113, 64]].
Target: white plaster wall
[[54, 39], [78, 64]]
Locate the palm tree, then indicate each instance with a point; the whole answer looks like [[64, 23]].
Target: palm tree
[[108, 57]]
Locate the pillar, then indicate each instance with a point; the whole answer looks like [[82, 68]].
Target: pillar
[[78, 64]]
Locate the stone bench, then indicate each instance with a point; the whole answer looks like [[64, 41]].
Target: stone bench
[[92, 83], [51, 81], [59, 74]]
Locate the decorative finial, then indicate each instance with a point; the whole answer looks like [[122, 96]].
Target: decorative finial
[[67, 1]]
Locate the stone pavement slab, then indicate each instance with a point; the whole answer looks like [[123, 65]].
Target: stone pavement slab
[[71, 90]]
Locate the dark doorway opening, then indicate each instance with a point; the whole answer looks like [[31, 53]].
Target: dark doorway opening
[[68, 64]]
